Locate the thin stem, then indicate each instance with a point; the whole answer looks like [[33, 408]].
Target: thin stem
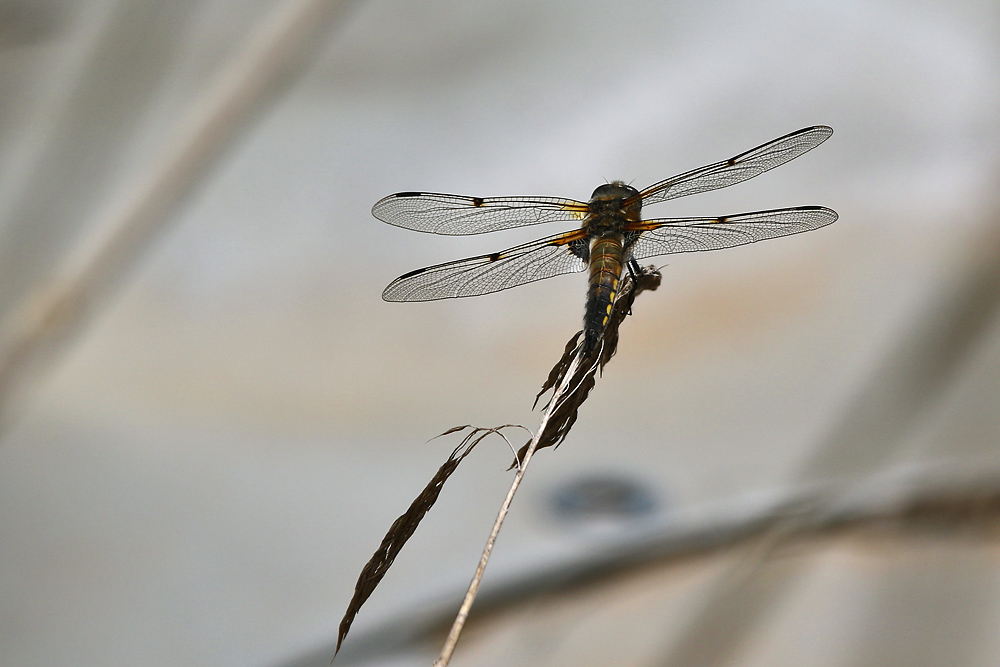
[[470, 595]]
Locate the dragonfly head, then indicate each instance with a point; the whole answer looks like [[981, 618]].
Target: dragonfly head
[[611, 195]]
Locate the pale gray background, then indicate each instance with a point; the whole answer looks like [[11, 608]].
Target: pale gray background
[[198, 474]]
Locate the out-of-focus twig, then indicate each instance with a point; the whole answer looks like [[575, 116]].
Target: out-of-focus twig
[[959, 504], [262, 68]]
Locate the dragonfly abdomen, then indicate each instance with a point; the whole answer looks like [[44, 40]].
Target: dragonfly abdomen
[[606, 256]]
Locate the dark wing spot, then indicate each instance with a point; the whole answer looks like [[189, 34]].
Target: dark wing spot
[[493, 256], [477, 201], [410, 274], [408, 194], [724, 218]]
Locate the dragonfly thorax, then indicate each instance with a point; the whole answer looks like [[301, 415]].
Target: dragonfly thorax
[[608, 199], [607, 210]]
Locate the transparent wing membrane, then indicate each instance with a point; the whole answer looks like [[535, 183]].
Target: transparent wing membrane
[[667, 236], [569, 252], [552, 256], [460, 215], [739, 168]]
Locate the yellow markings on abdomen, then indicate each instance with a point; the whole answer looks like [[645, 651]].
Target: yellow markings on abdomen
[[606, 257]]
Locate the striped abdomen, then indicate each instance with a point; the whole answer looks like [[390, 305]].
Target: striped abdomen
[[605, 270]]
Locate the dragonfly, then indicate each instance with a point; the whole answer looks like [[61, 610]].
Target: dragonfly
[[611, 237]]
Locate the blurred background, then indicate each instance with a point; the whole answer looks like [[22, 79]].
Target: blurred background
[[209, 418]]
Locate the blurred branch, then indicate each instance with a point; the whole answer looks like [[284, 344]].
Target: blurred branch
[[875, 426], [934, 502], [269, 61]]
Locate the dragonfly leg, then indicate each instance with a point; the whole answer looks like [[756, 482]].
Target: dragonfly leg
[[634, 270]]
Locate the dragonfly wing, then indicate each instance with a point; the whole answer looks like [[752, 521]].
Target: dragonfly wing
[[544, 258], [459, 215], [666, 236], [738, 168]]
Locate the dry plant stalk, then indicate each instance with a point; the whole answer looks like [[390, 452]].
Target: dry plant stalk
[[571, 380]]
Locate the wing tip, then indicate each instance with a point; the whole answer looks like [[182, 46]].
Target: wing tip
[[833, 215], [384, 201], [823, 132], [392, 293]]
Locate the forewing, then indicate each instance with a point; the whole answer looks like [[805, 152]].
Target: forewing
[[666, 236], [739, 168], [544, 258], [457, 214]]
